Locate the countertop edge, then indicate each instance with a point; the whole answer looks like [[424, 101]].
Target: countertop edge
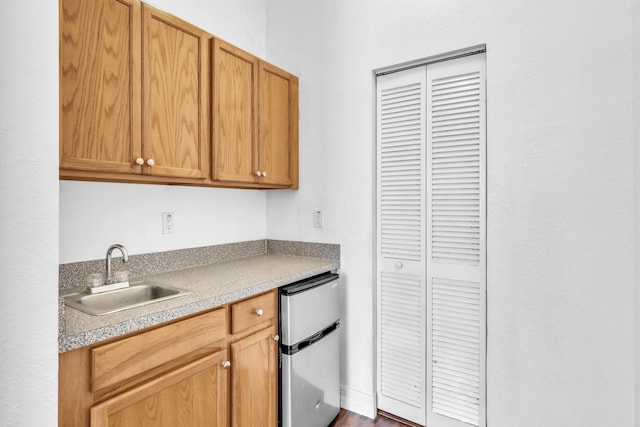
[[71, 342]]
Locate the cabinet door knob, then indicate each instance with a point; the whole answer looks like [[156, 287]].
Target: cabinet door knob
[[264, 174], [259, 312], [226, 364], [276, 338], [151, 162], [139, 161], [258, 173], [399, 265]]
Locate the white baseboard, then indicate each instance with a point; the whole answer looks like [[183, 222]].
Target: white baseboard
[[358, 402]]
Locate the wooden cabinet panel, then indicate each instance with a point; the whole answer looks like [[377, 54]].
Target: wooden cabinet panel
[[255, 120], [175, 90], [235, 83], [253, 311], [254, 388], [278, 127], [118, 361], [100, 85], [193, 395], [74, 391]]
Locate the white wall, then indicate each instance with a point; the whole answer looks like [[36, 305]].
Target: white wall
[[95, 215], [636, 121], [560, 184], [29, 213]]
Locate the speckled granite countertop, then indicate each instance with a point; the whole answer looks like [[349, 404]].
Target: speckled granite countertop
[[210, 285]]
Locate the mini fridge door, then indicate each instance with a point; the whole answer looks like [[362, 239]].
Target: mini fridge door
[[311, 384], [308, 307]]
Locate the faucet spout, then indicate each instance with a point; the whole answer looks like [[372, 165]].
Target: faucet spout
[[125, 258]]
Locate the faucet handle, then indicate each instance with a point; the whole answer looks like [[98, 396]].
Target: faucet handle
[[94, 280], [121, 276]]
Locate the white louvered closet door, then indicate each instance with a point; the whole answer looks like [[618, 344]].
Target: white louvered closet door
[[401, 155], [456, 242], [431, 243]]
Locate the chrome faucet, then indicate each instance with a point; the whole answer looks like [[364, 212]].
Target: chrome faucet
[[125, 258]]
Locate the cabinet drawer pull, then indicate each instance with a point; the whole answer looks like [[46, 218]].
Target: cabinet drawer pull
[[259, 312], [226, 364]]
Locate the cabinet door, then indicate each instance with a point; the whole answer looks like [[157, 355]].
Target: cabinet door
[[175, 100], [254, 388], [235, 87], [100, 85], [191, 396], [278, 127]]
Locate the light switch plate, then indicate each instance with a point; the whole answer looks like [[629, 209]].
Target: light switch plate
[[317, 219], [168, 222]]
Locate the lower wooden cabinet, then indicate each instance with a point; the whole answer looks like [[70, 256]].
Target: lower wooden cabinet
[[218, 368], [254, 361], [191, 396], [254, 380]]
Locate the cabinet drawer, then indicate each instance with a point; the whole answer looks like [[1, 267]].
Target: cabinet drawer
[[253, 311], [124, 359]]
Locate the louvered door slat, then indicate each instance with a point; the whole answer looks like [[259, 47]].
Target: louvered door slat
[[401, 360], [466, 390], [456, 242], [401, 244]]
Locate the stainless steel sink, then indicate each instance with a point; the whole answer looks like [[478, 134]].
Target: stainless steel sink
[[135, 295]]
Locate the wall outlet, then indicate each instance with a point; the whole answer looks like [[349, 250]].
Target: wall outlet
[[317, 219], [168, 225]]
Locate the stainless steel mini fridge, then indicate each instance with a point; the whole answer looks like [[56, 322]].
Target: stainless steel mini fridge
[[310, 352]]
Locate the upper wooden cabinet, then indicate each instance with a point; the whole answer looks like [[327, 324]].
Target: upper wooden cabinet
[[278, 126], [175, 96], [144, 99], [235, 130], [133, 92], [255, 120], [100, 76]]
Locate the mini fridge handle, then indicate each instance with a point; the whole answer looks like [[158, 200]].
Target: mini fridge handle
[[293, 349]]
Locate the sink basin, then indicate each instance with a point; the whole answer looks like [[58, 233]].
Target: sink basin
[[135, 295]]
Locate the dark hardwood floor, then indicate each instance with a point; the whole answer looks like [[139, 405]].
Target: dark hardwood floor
[[350, 419]]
